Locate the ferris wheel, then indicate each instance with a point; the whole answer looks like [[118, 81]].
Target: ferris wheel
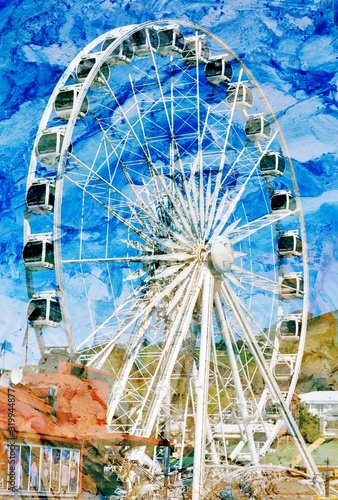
[[164, 240]]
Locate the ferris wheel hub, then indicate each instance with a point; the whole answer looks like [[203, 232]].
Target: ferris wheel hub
[[202, 253], [221, 255]]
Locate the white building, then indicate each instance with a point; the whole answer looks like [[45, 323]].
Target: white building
[[323, 404]]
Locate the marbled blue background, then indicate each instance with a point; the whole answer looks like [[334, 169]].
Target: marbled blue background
[[290, 47]]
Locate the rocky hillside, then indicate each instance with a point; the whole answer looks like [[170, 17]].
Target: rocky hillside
[[320, 360]]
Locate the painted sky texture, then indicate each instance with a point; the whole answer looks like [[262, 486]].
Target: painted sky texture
[[290, 47]]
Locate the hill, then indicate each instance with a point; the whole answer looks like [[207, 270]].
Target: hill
[[319, 370]]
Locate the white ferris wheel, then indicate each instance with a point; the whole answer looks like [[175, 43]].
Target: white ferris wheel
[[164, 240]]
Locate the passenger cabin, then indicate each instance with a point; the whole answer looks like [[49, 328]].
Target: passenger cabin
[[123, 53], [64, 102], [171, 40], [38, 252], [283, 369], [289, 327], [49, 146], [272, 410], [257, 128], [86, 65], [272, 163], [44, 310], [196, 51], [282, 201], [40, 196], [289, 244], [292, 286], [218, 70], [144, 41], [240, 96]]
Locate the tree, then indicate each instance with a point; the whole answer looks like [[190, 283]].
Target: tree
[[308, 424]]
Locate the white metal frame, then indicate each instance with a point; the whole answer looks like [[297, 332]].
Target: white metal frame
[[188, 176]]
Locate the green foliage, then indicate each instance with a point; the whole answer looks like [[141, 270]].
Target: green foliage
[[308, 424]]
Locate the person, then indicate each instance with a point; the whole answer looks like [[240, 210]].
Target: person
[[34, 475]]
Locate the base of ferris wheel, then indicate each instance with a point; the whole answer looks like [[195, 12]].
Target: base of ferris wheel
[[54, 426]]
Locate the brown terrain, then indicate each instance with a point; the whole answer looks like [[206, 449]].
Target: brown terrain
[[320, 360]]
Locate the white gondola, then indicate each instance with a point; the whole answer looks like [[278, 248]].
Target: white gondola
[[218, 70], [196, 51], [122, 54], [38, 252], [272, 410], [282, 201], [289, 244], [171, 40], [44, 310], [292, 286], [284, 368], [40, 196], [240, 96], [257, 128], [65, 100], [272, 163], [145, 41], [50, 144], [289, 327], [86, 65]]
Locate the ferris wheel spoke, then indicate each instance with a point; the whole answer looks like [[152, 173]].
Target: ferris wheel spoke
[[164, 103], [140, 118], [234, 202], [218, 181], [199, 156], [192, 205], [219, 204], [175, 206], [114, 149], [250, 278], [167, 360], [114, 321], [161, 363], [137, 231], [145, 304], [271, 383], [158, 224], [158, 182], [246, 230], [134, 348], [83, 182], [267, 337], [125, 317], [168, 257], [133, 209], [240, 395], [190, 187], [257, 351], [145, 152], [243, 358]]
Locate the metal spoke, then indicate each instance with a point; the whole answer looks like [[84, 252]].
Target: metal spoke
[[234, 202], [246, 230]]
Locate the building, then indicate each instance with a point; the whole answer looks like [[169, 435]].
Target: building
[[54, 441], [324, 404]]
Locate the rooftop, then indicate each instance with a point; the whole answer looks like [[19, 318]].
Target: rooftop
[[320, 397]]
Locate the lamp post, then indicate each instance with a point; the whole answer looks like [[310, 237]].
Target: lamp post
[[327, 480]]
